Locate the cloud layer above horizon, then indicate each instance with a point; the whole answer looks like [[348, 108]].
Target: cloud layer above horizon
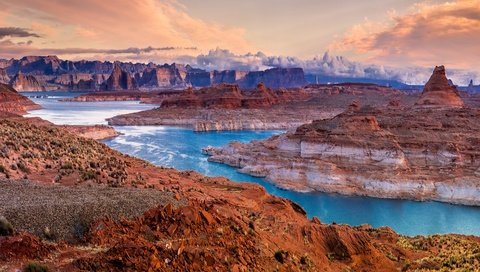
[[404, 47], [427, 35]]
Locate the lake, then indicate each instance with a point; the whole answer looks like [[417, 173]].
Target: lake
[[181, 148]]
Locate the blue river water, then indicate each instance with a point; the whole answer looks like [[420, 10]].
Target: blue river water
[[181, 148]]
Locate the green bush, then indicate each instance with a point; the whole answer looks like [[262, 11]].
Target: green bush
[[35, 267]]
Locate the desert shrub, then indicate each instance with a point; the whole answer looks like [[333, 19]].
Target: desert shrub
[[35, 267], [23, 167], [67, 166], [280, 255], [6, 228], [3, 169], [89, 175]]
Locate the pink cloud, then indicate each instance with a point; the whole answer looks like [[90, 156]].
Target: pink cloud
[[122, 24], [431, 34]]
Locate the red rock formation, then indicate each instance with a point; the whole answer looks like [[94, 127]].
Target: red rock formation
[[438, 92], [208, 224], [226, 96], [11, 101], [229, 96], [261, 97], [415, 153], [120, 80], [22, 82]]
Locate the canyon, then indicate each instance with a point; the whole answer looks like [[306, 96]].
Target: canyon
[[177, 219], [424, 151], [37, 73], [79, 219]]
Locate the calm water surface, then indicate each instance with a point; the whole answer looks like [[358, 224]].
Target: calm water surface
[[181, 148]]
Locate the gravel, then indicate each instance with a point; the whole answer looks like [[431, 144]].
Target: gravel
[[66, 212]]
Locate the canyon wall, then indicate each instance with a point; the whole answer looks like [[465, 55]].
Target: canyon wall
[[52, 73]]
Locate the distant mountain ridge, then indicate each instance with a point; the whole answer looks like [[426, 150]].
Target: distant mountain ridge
[[52, 73]]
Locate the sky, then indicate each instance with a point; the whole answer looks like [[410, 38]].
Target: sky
[[382, 38]]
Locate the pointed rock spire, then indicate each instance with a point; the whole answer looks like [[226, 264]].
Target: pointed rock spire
[[438, 92]]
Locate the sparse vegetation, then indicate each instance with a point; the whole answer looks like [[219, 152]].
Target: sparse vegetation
[[454, 254], [35, 267], [28, 148]]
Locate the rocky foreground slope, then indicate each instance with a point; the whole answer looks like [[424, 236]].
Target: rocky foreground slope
[[426, 152], [208, 224]]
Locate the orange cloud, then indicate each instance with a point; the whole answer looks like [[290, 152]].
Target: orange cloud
[[431, 34], [122, 24]]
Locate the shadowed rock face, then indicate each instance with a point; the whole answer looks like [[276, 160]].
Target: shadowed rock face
[[120, 80], [438, 91], [22, 82]]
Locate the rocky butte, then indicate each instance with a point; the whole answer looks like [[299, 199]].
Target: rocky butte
[[428, 151]]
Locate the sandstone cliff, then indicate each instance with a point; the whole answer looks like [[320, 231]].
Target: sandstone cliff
[[417, 153], [120, 80], [167, 76], [22, 82]]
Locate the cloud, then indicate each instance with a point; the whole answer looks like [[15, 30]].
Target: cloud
[[328, 64], [13, 49], [123, 24], [16, 32], [430, 34]]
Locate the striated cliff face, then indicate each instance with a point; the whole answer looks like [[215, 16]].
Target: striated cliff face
[[418, 153], [167, 76], [22, 82], [438, 91], [13, 102], [120, 80]]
